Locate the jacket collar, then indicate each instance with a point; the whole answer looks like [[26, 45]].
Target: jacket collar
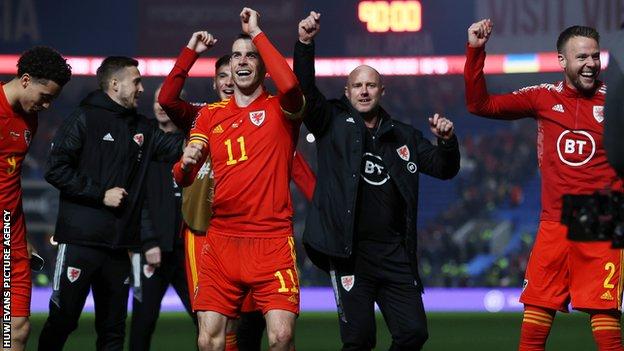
[[100, 99], [573, 93]]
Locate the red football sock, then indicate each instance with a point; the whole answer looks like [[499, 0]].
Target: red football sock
[[230, 341], [536, 326], [607, 332]]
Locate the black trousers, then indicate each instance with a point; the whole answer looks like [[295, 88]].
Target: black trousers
[[153, 286], [250, 330], [378, 272], [80, 268]]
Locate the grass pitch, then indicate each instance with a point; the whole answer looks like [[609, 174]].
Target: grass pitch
[[319, 332]]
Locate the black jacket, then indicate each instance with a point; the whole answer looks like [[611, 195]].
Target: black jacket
[[103, 145], [339, 131], [161, 215]]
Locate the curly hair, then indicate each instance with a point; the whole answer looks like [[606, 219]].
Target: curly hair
[[45, 63]]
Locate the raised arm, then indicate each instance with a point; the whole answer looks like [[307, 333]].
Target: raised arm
[[317, 114], [478, 100], [291, 98], [182, 113]]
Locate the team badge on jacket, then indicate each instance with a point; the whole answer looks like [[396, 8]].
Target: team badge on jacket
[[257, 117], [73, 273], [404, 152], [599, 113], [347, 281], [138, 138]]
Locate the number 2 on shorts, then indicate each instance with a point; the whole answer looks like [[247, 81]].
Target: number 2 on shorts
[[611, 268]]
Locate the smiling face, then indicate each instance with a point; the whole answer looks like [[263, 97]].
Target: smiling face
[[364, 89], [246, 66], [128, 87], [580, 60], [223, 84]]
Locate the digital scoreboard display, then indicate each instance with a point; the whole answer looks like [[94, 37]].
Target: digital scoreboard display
[[391, 16]]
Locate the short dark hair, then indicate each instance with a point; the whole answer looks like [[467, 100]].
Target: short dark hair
[[222, 61], [44, 63], [576, 31], [112, 65]]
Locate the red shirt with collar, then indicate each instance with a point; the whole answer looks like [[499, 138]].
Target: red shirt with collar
[[570, 150], [251, 152]]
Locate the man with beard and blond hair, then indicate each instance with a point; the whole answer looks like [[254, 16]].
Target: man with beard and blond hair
[[572, 160]]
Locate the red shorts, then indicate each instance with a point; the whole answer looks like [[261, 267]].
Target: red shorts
[[193, 244], [20, 283], [233, 266], [560, 271]]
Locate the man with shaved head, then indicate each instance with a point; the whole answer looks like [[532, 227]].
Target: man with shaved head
[[361, 227]]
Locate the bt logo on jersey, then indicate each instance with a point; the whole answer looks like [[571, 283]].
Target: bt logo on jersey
[[575, 148]]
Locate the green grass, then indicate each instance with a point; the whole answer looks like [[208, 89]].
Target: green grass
[[319, 331]]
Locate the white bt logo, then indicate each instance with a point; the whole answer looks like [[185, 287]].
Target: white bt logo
[[575, 148], [373, 170]]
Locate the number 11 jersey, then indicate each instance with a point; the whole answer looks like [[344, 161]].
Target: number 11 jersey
[[251, 150]]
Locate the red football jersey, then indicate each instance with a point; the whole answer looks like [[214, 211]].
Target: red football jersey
[[251, 151], [570, 151], [16, 132]]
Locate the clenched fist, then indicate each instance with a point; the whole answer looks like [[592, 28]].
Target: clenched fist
[[479, 33], [441, 127]]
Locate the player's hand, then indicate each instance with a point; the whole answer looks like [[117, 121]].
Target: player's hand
[[201, 41], [114, 196], [153, 256], [441, 127], [309, 27], [249, 22], [192, 155], [479, 33]]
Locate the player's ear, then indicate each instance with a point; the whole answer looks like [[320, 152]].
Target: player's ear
[[383, 90], [562, 60], [25, 80], [114, 84]]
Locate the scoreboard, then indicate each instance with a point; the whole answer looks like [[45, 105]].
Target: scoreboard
[[391, 16]]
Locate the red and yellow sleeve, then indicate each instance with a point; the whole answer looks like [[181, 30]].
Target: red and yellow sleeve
[[199, 135], [479, 102]]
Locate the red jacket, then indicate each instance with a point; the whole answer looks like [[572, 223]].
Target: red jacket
[[570, 151]]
